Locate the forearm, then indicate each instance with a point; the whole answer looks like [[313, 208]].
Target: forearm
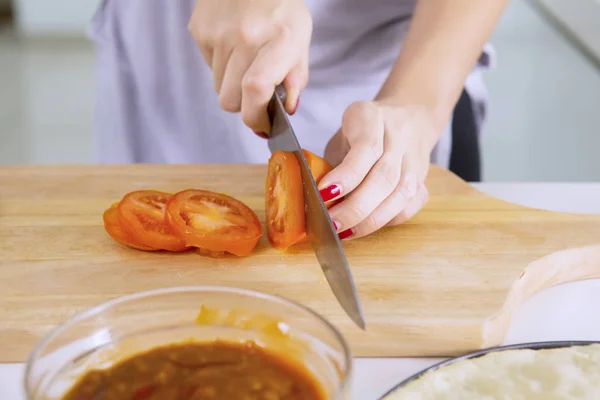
[[443, 44]]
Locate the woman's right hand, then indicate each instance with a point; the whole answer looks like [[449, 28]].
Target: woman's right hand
[[251, 47]]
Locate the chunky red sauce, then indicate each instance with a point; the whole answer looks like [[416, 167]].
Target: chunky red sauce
[[201, 371]]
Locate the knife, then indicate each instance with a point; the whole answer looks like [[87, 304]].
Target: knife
[[321, 233]]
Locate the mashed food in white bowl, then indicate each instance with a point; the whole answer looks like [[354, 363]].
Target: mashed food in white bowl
[[550, 374]]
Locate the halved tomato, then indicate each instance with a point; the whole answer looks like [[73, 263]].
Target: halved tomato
[[318, 166], [210, 253], [142, 216], [284, 201], [115, 231], [285, 214], [213, 222]]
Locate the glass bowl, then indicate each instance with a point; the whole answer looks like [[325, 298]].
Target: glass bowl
[[117, 330]]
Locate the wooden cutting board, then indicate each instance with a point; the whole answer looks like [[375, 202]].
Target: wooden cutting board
[[442, 284]]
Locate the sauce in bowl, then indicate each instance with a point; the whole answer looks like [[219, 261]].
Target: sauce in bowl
[[213, 370]]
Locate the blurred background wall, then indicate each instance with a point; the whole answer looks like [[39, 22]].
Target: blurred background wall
[[57, 17], [544, 122]]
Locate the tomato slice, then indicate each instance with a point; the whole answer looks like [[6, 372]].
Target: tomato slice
[[284, 201], [285, 214], [213, 222], [210, 253], [318, 166], [115, 231], [142, 216]]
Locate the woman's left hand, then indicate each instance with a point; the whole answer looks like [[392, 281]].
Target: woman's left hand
[[382, 153]]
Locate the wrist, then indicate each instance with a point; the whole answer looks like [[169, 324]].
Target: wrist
[[416, 123], [423, 103], [431, 97]]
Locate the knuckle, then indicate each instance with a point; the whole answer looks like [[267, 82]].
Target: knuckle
[[200, 30], [229, 103], [403, 195], [375, 145], [367, 110], [250, 32], [255, 85], [221, 36], [248, 119], [363, 108], [350, 111], [352, 176], [282, 30], [370, 132], [371, 223], [201, 36], [353, 112], [390, 172], [366, 227], [359, 213]]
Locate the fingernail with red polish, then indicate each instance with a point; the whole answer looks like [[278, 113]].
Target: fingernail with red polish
[[330, 192], [346, 234], [261, 134], [336, 225]]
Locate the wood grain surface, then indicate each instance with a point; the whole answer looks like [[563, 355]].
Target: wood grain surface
[[442, 284]]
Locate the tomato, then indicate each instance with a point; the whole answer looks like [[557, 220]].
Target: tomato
[[213, 222], [317, 165], [114, 229], [285, 214], [284, 201], [209, 253], [142, 216], [319, 168]]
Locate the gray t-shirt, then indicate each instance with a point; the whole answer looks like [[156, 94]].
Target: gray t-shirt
[[156, 102]]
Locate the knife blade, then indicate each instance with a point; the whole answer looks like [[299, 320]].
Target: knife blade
[[321, 232]]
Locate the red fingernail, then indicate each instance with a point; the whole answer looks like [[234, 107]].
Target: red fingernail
[[336, 225], [330, 192], [261, 134], [296, 107], [346, 234]]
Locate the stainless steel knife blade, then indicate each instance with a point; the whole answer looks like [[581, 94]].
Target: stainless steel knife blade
[[321, 232]]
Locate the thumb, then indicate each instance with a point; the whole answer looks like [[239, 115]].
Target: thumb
[[362, 128], [336, 149]]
